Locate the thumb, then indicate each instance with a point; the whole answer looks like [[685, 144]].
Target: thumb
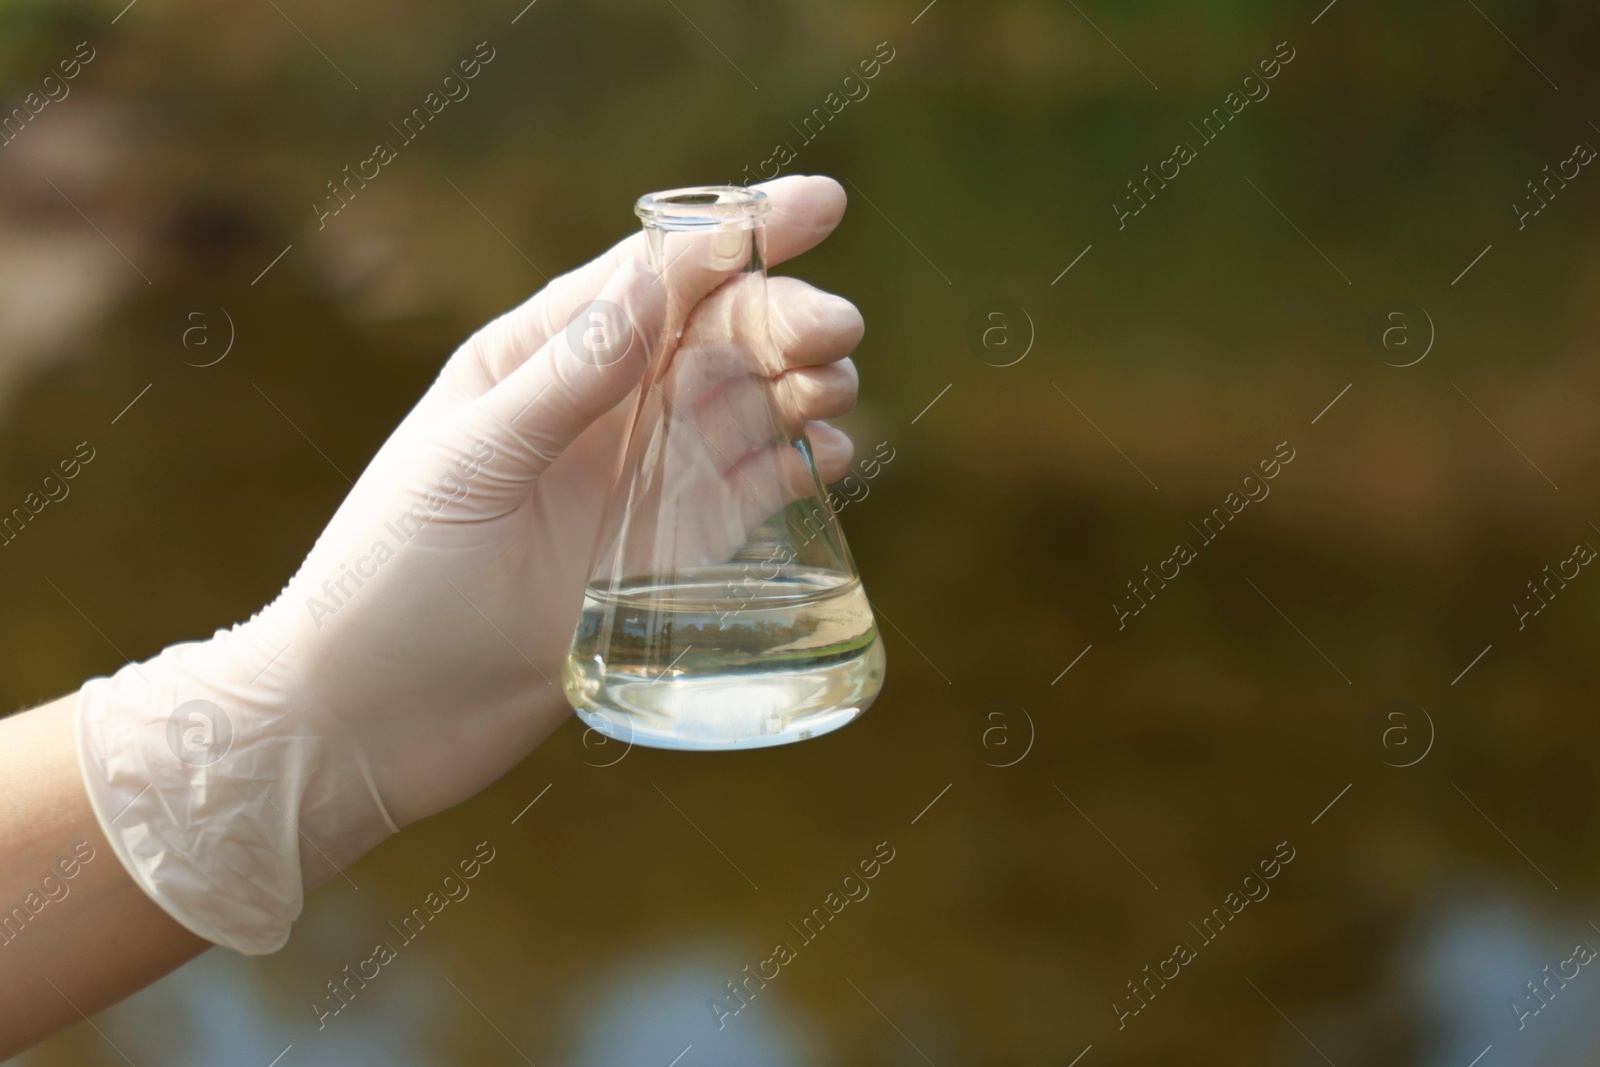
[[579, 374]]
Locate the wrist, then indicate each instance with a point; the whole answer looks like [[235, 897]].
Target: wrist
[[222, 795]]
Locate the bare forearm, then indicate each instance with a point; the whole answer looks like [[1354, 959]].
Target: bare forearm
[[76, 933]]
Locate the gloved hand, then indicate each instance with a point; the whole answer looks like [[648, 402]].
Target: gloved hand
[[415, 657]]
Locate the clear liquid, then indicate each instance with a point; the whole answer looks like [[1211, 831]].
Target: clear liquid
[[723, 659]]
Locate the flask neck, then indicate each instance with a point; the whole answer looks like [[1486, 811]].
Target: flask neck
[[709, 247]]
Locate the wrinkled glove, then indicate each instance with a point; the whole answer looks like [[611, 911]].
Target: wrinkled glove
[[415, 657]]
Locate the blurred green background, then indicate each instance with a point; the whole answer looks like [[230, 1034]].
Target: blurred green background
[[1175, 753]]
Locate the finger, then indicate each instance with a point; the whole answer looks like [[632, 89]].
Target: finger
[[739, 330], [810, 326], [804, 211], [574, 378], [712, 510], [778, 475], [825, 392], [717, 373], [749, 413]]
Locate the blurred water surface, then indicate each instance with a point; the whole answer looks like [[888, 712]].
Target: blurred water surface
[[1101, 778]]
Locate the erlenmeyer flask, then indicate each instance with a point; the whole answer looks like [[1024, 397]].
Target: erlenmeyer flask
[[723, 610]]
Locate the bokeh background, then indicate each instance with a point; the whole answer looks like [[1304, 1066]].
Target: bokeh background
[[1081, 819]]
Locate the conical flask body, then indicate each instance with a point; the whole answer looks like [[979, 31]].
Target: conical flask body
[[723, 609]]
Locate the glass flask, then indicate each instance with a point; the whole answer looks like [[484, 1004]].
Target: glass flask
[[723, 610]]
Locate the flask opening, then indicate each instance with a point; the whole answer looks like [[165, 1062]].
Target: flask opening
[[701, 207]]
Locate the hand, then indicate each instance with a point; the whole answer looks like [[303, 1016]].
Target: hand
[[415, 657]]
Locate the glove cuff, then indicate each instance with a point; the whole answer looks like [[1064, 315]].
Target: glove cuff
[[222, 799]]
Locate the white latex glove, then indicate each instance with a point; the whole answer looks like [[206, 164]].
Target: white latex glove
[[416, 655]]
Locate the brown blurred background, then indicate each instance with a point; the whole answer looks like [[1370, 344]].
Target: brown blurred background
[[1317, 644]]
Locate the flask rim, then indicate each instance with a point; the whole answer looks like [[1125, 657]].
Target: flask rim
[[699, 207]]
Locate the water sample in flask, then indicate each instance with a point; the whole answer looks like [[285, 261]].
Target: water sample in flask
[[723, 610]]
